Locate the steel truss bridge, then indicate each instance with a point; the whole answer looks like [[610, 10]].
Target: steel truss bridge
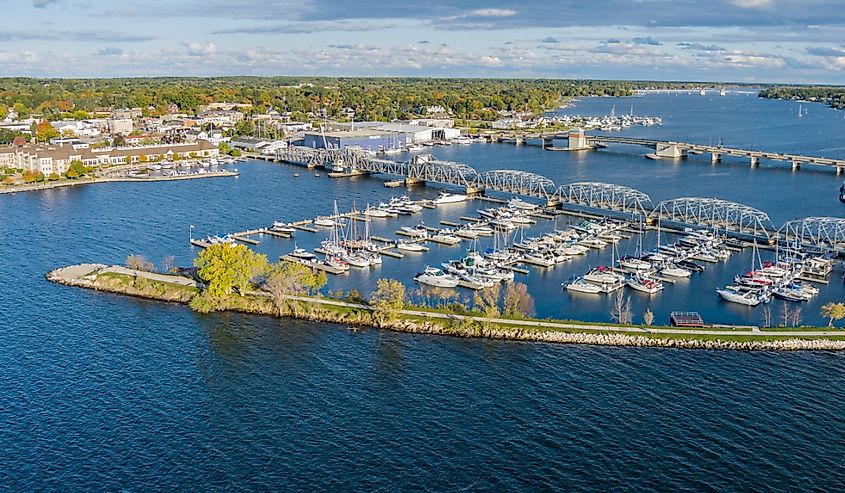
[[700, 212]]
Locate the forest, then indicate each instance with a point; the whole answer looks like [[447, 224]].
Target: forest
[[370, 98], [834, 96]]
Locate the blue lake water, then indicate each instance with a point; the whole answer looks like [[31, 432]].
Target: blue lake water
[[102, 392]]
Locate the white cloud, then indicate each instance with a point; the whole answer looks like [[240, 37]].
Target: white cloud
[[493, 13], [201, 49], [751, 4]]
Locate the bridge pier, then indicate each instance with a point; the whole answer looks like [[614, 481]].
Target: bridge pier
[[796, 165], [554, 203], [577, 140], [838, 170], [409, 182], [755, 161], [715, 157], [669, 150], [475, 191]]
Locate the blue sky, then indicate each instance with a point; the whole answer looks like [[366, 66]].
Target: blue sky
[[738, 40]]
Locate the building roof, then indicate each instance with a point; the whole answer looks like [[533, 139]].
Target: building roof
[[350, 134]]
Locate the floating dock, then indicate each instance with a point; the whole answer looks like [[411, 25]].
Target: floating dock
[[325, 268]]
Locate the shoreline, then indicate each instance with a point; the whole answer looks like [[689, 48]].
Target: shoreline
[[91, 181], [171, 288]]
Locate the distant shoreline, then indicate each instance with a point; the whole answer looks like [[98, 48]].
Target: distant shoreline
[[179, 289], [90, 181]]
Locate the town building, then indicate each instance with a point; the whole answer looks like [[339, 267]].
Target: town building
[[367, 139], [49, 159]]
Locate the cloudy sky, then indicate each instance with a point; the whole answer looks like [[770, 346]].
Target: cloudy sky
[[737, 40]]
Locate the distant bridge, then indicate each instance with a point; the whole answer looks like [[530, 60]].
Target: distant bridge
[[674, 150]]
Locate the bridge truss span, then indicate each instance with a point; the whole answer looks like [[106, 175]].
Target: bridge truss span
[[518, 182], [427, 168], [605, 196], [715, 213], [825, 232]]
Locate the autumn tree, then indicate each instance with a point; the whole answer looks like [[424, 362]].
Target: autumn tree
[[139, 262], [388, 299], [517, 301], [621, 312], [288, 279], [648, 317], [487, 301], [833, 311], [44, 131], [226, 266]]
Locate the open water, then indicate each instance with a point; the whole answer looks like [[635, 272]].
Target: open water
[[103, 392]]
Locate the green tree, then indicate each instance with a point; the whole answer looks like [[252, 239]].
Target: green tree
[[226, 266], [44, 131], [388, 299], [75, 169], [833, 311], [224, 148]]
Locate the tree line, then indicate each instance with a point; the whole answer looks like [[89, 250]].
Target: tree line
[[370, 98]]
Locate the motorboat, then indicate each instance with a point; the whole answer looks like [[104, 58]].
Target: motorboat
[[415, 231], [433, 276], [449, 198], [302, 254], [579, 285], [409, 247], [337, 263], [538, 258], [691, 266], [593, 243]]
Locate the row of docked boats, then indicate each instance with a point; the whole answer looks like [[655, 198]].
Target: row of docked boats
[[649, 272], [778, 279]]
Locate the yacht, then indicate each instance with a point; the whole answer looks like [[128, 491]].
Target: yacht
[[355, 259], [645, 284], [449, 198], [436, 277], [517, 203], [743, 297], [635, 264], [376, 212], [602, 275], [579, 285], [675, 271], [446, 238], [325, 222], [283, 227], [409, 247], [416, 231]]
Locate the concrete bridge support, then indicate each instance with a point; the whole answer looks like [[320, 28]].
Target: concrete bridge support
[[715, 157], [409, 182], [838, 170], [755, 161], [669, 150], [475, 191], [577, 140], [796, 165]]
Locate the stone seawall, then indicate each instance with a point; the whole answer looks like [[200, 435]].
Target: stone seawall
[[319, 310]]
